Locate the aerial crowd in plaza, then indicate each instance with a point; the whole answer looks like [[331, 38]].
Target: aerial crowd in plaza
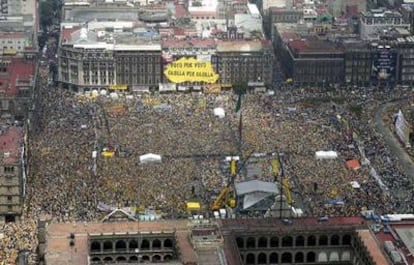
[[67, 179]]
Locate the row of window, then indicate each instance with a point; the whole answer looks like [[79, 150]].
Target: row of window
[[298, 257], [121, 245], [133, 259], [289, 241]]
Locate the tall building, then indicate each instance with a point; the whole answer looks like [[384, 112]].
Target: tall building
[[339, 7], [314, 62], [357, 63], [94, 60], [340, 240], [10, 7], [12, 175], [375, 22], [249, 61]]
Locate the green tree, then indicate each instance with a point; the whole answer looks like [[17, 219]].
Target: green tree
[[49, 10], [240, 88]]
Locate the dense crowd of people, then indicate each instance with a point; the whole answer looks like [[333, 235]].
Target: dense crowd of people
[[69, 176], [192, 141]]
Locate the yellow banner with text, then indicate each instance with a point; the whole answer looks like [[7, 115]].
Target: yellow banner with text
[[190, 70]]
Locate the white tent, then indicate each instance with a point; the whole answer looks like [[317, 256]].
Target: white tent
[[219, 112], [114, 95], [355, 184], [150, 158], [326, 155]]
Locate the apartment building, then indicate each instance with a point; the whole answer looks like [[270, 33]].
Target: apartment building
[[12, 175]]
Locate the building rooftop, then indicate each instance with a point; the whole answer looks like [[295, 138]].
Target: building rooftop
[[58, 250], [81, 14], [275, 224], [11, 139], [402, 235], [371, 243], [312, 46], [407, 237], [18, 70], [239, 46], [189, 43], [380, 12], [11, 35]]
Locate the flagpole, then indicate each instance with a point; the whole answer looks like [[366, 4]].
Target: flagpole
[[240, 127]]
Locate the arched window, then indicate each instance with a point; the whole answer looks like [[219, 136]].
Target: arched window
[[133, 244], [120, 245], [311, 240], [251, 242], [145, 244], [145, 258], [156, 244], [156, 258], [334, 240], [107, 259], [262, 258], [95, 246], [168, 257], [310, 257], [240, 242], [262, 243], [299, 257], [96, 259], [274, 242], [287, 257], [273, 258], [287, 241], [334, 256], [323, 240], [300, 241], [133, 258], [250, 259], [323, 257], [346, 240], [346, 256], [107, 246], [121, 258], [168, 243]]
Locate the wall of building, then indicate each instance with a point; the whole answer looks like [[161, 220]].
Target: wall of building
[[153, 247], [10, 191]]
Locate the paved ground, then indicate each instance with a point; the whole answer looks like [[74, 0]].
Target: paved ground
[[392, 143]]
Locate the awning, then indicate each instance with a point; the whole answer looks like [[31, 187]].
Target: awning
[[353, 164], [150, 158]]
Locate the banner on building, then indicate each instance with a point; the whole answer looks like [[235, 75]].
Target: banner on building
[[190, 70], [402, 129], [118, 87]]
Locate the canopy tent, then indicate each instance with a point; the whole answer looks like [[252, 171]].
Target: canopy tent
[[355, 184], [114, 95], [254, 192], [150, 158], [219, 112], [353, 164], [326, 155]]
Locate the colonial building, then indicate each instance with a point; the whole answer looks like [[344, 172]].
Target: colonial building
[[357, 63], [17, 80], [337, 240], [248, 61], [314, 62], [98, 59], [376, 21], [405, 48]]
